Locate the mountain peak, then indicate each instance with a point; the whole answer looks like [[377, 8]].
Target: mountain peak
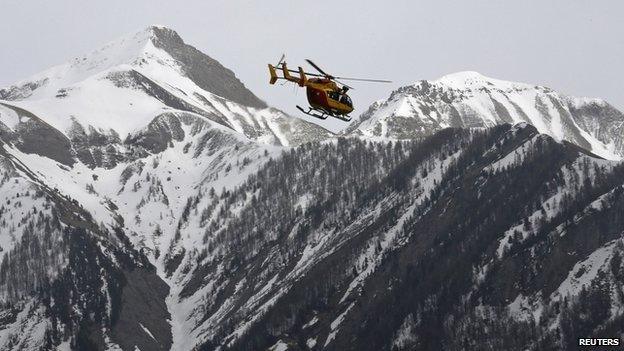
[[153, 27], [466, 80], [203, 70], [129, 49], [152, 33], [160, 33], [124, 50], [463, 76], [158, 48]]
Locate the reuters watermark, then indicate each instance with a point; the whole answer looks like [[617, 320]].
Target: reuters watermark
[[603, 343]]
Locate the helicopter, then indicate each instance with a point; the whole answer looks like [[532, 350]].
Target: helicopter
[[326, 95]]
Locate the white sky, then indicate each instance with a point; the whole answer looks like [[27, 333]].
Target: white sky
[[573, 46]]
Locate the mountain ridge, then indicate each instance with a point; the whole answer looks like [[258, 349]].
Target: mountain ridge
[[470, 99]]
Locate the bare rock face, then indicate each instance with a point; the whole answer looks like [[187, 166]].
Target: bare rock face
[[204, 70], [143, 308], [96, 148], [601, 120], [34, 136], [159, 134]]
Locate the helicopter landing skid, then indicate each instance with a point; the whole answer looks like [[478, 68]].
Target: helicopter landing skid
[[320, 115], [343, 117], [323, 114]]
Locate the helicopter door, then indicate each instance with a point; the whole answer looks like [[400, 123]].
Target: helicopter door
[[317, 97]]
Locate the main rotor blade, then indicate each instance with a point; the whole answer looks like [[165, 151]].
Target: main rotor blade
[[318, 68], [365, 80], [350, 87]]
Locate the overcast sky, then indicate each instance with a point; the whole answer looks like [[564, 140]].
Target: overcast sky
[[575, 47]]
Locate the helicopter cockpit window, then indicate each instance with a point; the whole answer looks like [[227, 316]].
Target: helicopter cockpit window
[[345, 99], [334, 95]]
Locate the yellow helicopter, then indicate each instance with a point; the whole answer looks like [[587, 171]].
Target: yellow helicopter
[[326, 95]]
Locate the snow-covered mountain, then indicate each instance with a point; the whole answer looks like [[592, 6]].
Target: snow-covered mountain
[[117, 90], [151, 202], [471, 100]]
